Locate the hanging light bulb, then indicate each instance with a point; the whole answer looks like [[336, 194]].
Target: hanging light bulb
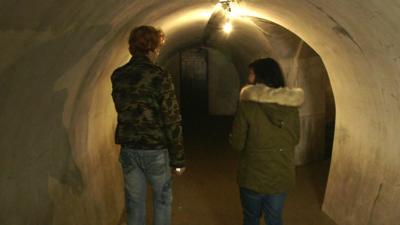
[[228, 27], [226, 6], [232, 11]]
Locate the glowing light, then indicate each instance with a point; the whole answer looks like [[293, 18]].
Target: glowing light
[[218, 6], [233, 10], [183, 18], [204, 14], [228, 27], [236, 11]]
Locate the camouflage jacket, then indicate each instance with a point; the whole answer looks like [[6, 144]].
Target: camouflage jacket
[[148, 112]]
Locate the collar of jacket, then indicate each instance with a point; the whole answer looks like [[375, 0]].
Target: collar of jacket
[[139, 57], [263, 94]]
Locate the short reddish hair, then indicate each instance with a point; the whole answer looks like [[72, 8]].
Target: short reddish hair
[[145, 39]]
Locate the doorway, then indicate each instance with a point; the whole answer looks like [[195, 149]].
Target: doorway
[[194, 82]]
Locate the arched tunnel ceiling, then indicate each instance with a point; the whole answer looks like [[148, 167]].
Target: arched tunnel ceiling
[[72, 46], [244, 44], [252, 38]]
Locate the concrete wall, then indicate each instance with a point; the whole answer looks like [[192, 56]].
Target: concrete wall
[[55, 167], [224, 84], [312, 78], [57, 118]]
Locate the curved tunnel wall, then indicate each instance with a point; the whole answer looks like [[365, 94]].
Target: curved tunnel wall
[[55, 138]]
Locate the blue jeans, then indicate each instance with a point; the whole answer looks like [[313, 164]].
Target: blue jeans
[[141, 167], [254, 204]]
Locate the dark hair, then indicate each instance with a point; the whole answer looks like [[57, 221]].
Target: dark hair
[[268, 72], [145, 39]]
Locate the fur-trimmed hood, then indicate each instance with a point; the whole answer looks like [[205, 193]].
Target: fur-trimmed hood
[[283, 96]]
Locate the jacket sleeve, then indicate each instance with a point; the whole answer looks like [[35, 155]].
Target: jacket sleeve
[[239, 129], [172, 119]]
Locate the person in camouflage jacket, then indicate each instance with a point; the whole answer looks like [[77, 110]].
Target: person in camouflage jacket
[[149, 128], [148, 112]]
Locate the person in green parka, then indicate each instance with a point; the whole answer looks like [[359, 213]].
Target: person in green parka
[[265, 131]]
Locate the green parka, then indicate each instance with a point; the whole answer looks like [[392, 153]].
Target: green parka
[[265, 130]]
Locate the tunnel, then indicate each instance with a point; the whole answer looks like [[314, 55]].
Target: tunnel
[[59, 163]]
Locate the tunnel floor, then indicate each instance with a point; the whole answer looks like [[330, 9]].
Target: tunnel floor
[[207, 194]]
